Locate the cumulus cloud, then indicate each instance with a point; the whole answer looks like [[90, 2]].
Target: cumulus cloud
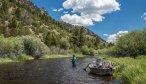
[[114, 37], [90, 9], [76, 20], [144, 16], [58, 10]]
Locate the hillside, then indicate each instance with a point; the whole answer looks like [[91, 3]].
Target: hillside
[[22, 17]]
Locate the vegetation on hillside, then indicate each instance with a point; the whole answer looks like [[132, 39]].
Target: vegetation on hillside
[[22, 17]]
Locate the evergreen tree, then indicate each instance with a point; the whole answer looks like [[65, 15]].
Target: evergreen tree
[[81, 38], [5, 6], [18, 12]]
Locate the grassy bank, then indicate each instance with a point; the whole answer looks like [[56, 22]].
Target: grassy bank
[[18, 59], [131, 71], [27, 57], [5, 60], [61, 56]]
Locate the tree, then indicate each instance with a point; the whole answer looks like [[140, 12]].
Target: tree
[[96, 43], [52, 39], [14, 23], [85, 50], [13, 1], [132, 44], [64, 44], [5, 6], [81, 38], [18, 12]]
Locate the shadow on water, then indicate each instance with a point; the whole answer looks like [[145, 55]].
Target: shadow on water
[[51, 71]]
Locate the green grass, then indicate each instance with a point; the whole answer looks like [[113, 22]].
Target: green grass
[[23, 57], [5, 60], [61, 56], [131, 71]]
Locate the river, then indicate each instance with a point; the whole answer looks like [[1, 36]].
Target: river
[[51, 71]]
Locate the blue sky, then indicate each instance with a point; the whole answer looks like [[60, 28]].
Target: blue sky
[[128, 17]]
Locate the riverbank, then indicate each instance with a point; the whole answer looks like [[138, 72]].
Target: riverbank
[[26, 57], [5, 60], [130, 70], [61, 56], [18, 59]]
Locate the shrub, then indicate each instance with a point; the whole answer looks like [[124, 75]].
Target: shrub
[[13, 47], [22, 57], [132, 44], [56, 50], [111, 51], [34, 46], [64, 44], [70, 51], [85, 50], [92, 52], [63, 52], [77, 50]]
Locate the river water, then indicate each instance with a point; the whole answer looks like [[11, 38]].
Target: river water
[[51, 71]]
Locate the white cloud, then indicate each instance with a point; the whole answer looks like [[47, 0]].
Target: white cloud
[[114, 37], [76, 20], [58, 10], [144, 15], [105, 34], [90, 9]]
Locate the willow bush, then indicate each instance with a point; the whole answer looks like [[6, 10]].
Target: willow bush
[[132, 44], [11, 47], [34, 46], [14, 47]]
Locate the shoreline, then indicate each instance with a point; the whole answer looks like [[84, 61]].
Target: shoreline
[[25, 58]]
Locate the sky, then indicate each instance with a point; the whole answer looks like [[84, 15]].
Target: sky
[[106, 18]]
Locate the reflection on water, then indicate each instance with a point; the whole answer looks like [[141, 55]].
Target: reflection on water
[[51, 71]]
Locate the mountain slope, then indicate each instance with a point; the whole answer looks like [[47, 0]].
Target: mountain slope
[[22, 17]]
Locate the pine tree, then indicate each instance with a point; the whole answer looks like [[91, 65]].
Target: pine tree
[[81, 38], [5, 6]]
